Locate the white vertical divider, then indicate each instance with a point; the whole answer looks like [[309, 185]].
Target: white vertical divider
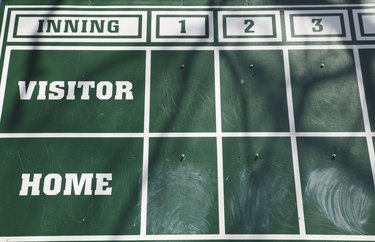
[[219, 143], [146, 137], [293, 140]]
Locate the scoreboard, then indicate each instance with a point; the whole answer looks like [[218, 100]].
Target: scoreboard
[[181, 123]]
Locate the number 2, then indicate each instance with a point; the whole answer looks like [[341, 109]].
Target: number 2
[[250, 24], [182, 26], [318, 25]]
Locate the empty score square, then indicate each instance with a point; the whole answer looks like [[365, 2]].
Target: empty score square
[[54, 110], [259, 186], [80, 212], [182, 91], [182, 186], [253, 93], [367, 57], [337, 185], [325, 91]]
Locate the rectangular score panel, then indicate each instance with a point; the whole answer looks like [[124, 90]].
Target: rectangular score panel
[[364, 22], [332, 182], [317, 25], [182, 196], [335, 93], [70, 186], [77, 26], [170, 26], [249, 26], [72, 90], [259, 204]]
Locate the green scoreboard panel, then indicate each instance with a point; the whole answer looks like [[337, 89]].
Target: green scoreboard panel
[[171, 121]]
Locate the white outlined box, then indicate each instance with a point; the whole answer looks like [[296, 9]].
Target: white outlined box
[[181, 26], [249, 26], [364, 24], [317, 25], [77, 26]]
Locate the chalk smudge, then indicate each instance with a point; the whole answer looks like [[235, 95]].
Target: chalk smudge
[[260, 201], [180, 198], [342, 200]]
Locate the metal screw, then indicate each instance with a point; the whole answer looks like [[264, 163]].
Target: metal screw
[[256, 156], [183, 157], [333, 156]]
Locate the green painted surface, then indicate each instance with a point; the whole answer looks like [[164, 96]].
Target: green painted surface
[[92, 115], [338, 193], [118, 213], [367, 58], [182, 97], [253, 99], [182, 186], [259, 191], [325, 98]]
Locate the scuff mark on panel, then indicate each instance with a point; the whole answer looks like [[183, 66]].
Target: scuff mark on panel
[[341, 199]]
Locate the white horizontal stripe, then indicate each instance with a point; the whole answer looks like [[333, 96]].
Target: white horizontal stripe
[[181, 134], [195, 7], [193, 237]]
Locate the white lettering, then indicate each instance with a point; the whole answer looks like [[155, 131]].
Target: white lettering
[[102, 184], [124, 87], [56, 89], [72, 181], [52, 184], [73, 185], [85, 85], [42, 90], [71, 90], [26, 93], [104, 90], [34, 185]]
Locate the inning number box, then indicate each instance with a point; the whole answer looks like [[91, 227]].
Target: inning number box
[[317, 25], [192, 26], [364, 22], [249, 26]]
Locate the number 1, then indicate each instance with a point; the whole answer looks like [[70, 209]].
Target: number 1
[[182, 27]]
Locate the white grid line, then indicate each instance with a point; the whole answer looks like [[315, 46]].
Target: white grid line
[[143, 223], [198, 7], [330, 134], [219, 143], [182, 135], [3, 29], [187, 48], [293, 140], [4, 77], [191, 237], [366, 119]]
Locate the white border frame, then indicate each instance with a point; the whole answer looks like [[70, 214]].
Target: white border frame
[[367, 134]]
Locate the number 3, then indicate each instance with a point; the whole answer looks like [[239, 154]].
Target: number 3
[[318, 25]]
